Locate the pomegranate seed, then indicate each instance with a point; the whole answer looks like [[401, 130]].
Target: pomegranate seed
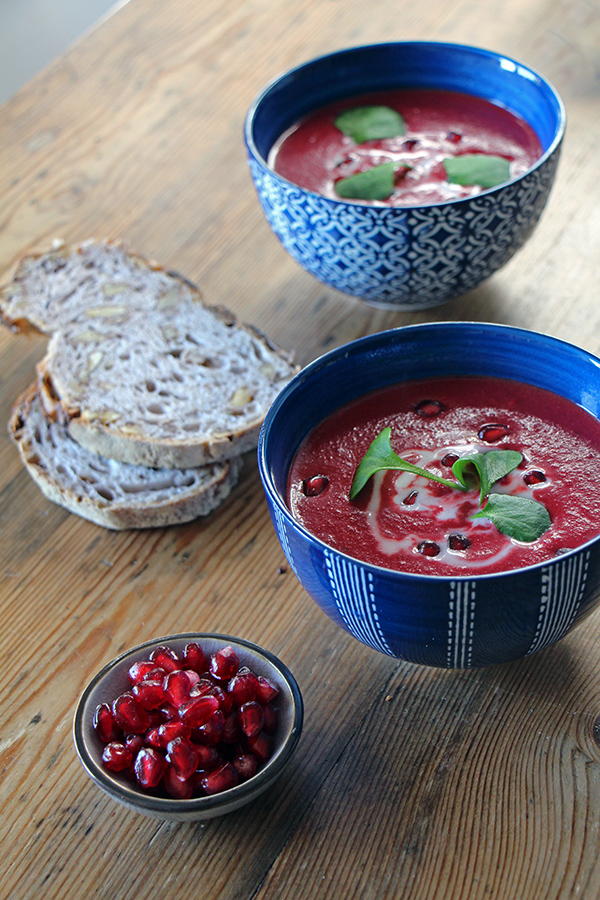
[[449, 460], [129, 714], [225, 701], [197, 711], [271, 719], [251, 718], [169, 731], [169, 712], [166, 658], [492, 433], [429, 408], [117, 756], [177, 687], [179, 788], [135, 742], [211, 732], [410, 144], [195, 658], [232, 732], [220, 780], [458, 542], [260, 744], [151, 694], [208, 757], [105, 724], [267, 690], [224, 664], [411, 498], [153, 737], [203, 686], [149, 767], [428, 548], [183, 756], [246, 765], [139, 670], [534, 477], [243, 687], [312, 487], [454, 137]]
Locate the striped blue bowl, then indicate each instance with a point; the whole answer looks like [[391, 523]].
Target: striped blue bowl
[[448, 622]]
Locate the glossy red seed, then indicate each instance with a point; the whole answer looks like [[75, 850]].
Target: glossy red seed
[[243, 687], [171, 730], [149, 767], [177, 687], [151, 694], [251, 718], [211, 732], [105, 725], [458, 542], [428, 548], [139, 670], [224, 664], [246, 765], [429, 408], [166, 658], [183, 756], [232, 732], [202, 686], [267, 690], [197, 711], [179, 788], [129, 714], [195, 658], [152, 737], [135, 742], [271, 719], [208, 758], [117, 756], [261, 745], [225, 701], [411, 498], [534, 477], [312, 487], [169, 712], [221, 779], [454, 137], [449, 460], [492, 433]]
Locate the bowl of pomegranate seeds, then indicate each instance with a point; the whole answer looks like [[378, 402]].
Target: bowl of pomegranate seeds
[[189, 726]]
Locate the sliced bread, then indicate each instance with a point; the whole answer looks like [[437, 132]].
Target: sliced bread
[[110, 493]]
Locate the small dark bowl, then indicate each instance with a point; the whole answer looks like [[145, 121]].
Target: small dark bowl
[[448, 622], [112, 680], [410, 257]]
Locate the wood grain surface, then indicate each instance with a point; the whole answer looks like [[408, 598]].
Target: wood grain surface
[[408, 782]]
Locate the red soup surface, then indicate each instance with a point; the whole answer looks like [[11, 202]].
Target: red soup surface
[[315, 154], [407, 522]]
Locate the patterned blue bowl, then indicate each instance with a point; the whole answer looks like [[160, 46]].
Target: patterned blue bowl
[[405, 257], [458, 622]]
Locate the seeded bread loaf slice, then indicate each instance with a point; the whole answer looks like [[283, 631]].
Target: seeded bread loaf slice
[[93, 280], [112, 494]]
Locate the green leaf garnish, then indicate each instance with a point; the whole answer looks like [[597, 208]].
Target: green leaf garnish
[[374, 184], [380, 457], [518, 517], [368, 123], [477, 168], [489, 468]]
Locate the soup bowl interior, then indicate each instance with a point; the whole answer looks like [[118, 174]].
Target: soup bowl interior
[[457, 622], [404, 257]]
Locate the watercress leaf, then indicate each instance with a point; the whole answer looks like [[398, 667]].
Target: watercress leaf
[[368, 123], [477, 168], [374, 184], [380, 457], [518, 517], [489, 468]]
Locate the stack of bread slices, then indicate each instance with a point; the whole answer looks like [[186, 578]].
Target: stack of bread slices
[[146, 399]]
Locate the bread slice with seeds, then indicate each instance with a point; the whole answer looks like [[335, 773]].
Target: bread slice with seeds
[[109, 493]]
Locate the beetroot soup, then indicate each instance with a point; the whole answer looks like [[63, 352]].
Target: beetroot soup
[[443, 145], [402, 520]]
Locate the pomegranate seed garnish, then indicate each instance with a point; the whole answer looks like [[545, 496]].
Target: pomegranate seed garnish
[[151, 694], [153, 737], [117, 756], [139, 670], [261, 745], [246, 765], [410, 499], [135, 742], [534, 477], [177, 687], [129, 714], [203, 686], [212, 731], [105, 724], [454, 137], [220, 780], [195, 658], [271, 719], [183, 756], [225, 701], [410, 144], [171, 730], [224, 664], [179, 788], [232, 732], [197, 711], [267, 690], [458, 542], [312, 487], [208, 758], [492, 433], [169, 712], [428, 548], [149, 767], [243, 687], [429, 408], [449, 459], [251, 718], [166, 658]]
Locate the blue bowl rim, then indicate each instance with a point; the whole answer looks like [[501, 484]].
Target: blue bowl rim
[[326, 359], [481, 51], [130, 795]]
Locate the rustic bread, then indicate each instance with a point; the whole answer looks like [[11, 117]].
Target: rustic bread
[[109, 493], [145, 372]]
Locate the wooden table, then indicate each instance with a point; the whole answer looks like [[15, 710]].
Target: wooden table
[[408, 782]]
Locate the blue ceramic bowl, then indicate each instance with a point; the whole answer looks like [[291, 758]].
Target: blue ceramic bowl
[[458, 622], [404, 257]]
